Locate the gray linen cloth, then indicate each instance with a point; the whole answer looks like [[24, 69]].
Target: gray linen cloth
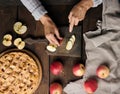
[[102, 47]]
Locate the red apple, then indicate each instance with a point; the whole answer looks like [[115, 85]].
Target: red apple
[[60, 41], [90, 85], [55, 88], [102, 71], [56, 67], [78, 70]]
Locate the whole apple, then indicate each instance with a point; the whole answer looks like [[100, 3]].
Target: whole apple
[[90, 85], [102, 71], [78, 70], [56, 67], [60, 41], [55, 88]]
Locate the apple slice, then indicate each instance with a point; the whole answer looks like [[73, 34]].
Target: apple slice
[[19, 43], [6, 43], [72, 40], [19, 28], [23, 29], [7, 40], [69, 45], [73, 37], [51, 48], [7, 37]]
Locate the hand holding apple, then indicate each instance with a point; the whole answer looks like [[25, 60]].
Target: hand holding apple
[[55, 88]]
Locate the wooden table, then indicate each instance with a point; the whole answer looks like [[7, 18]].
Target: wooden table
[[12, 11]]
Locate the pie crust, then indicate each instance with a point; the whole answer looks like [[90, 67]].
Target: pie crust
[[20, 72]]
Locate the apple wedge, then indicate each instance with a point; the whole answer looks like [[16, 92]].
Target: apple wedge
[[69, 45], [19, 43], [19, 28], [70, 42], [7, 40], [51, 48], [73, 37], [7, 43]]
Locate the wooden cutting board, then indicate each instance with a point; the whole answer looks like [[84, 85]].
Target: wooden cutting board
[[76, 50]]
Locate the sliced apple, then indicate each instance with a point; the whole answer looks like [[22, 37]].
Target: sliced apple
[[23, 29], [69, 45], [73, 37], [70, 42], [19, 43], [7, 37], [51, 48], [7, 40], [19, 28], [6, 43]]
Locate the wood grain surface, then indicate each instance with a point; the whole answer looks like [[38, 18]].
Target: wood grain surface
[[12, 11]]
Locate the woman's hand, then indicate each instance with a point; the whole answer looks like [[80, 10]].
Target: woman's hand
[[78, 13], [50, 30]]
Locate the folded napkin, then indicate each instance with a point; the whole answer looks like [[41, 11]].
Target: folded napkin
[[102, 47]]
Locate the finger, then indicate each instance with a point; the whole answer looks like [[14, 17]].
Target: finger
[[71, 25], [57, 34], [76, 21], [54, 40], [70, 15], [49, 38]]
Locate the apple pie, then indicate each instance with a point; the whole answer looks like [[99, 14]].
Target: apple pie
[[19, 73]]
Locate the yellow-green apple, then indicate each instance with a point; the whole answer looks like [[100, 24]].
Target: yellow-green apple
[[90, 85], [55, 88], [78, 70], [102, 71], [7, 40], [56, 67]]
